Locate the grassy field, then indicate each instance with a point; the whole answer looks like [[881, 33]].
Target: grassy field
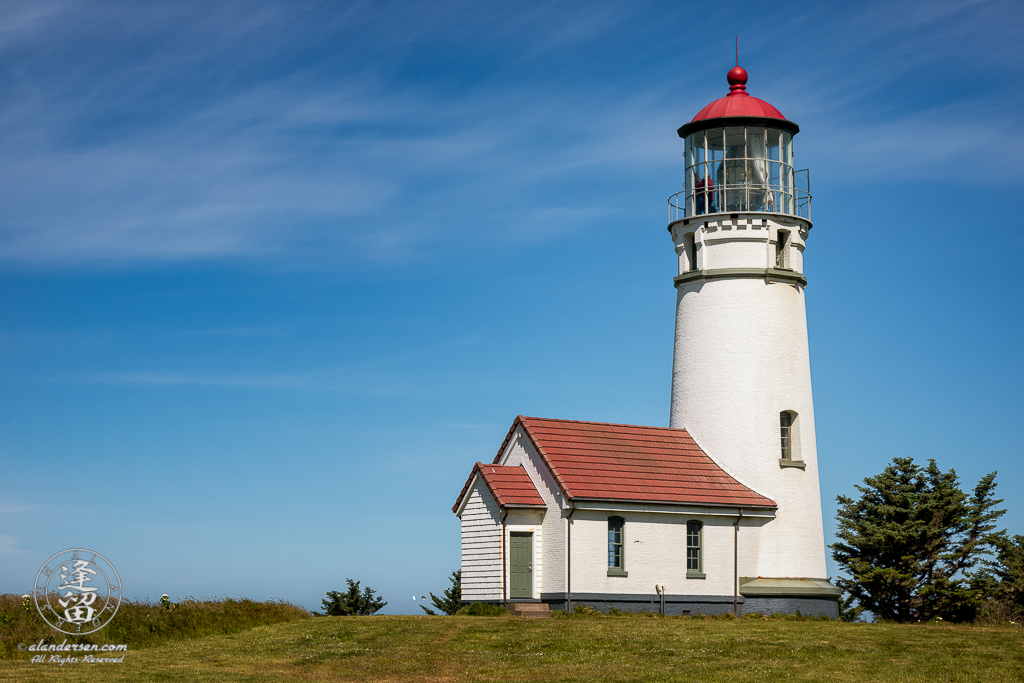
[[421, 648]]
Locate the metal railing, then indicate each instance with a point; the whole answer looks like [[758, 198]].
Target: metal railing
[[745, 197]]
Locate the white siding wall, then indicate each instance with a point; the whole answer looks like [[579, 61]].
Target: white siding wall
[[481, 539]]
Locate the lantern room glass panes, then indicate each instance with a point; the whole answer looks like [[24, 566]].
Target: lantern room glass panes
[[741, 168]]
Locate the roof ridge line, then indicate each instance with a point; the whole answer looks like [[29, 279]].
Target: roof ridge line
[[605, 424]]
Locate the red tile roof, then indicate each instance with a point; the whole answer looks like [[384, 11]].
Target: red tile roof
[[593, 460], [510, 486]]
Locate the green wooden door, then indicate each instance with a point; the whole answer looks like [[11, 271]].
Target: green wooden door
[[520, 558]]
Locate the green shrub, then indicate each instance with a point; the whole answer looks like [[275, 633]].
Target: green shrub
[[482, 609], [584, 610], [449, 604], [351, 602]]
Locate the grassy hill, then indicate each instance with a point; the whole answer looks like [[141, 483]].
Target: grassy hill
[[421, 648]]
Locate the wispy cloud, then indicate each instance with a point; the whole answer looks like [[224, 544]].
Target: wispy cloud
[[333, 134], [388, 374], [295, 381]]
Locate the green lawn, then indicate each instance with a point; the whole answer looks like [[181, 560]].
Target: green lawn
[[421, 648]]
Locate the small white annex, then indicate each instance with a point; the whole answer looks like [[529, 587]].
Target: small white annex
[[721, 511], [620, 516]]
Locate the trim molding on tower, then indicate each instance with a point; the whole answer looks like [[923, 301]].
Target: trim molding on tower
[[771, 274]]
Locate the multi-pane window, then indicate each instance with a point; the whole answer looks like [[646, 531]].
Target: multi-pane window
[[786, 433], [694, 559], [615, 559]]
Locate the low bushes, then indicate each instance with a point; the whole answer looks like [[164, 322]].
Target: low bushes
[[482, 609], [144, 624]]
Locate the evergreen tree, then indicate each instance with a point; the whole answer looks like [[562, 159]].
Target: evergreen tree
[[452, 599], [911, 538], [1002, 580], [849, 610], [352, 602]]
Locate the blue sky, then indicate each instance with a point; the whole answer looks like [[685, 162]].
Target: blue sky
[[273, 276]]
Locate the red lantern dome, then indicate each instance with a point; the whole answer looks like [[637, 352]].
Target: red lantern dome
[[736, 105]]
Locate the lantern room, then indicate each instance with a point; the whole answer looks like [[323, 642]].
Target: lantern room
[[739, 158]]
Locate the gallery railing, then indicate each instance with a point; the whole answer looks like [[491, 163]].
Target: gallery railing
[[744, 197]]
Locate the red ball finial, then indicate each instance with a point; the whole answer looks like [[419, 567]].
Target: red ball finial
[[737, 77]]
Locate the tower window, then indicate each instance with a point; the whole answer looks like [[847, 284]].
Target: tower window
[[688, 253], [786, 432], [789, 438], [694, 550], [616, 556], [781, 246]]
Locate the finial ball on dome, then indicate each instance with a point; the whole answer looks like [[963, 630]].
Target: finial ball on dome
[[737, 76]]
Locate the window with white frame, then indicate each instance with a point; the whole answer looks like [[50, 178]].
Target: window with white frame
[[789, 440], [694, 550], [786, 434], [616, 548]]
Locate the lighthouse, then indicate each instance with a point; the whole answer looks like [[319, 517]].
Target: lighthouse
[[741, 376], [720, 512]]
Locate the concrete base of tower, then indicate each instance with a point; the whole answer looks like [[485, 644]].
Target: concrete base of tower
[[808, 606], [809, 597]]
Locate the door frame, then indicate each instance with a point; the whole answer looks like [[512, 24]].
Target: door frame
[[533, 555]]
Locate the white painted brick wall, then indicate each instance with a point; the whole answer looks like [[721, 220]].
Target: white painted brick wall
[[741, 358], [655, 553], [745, 242]]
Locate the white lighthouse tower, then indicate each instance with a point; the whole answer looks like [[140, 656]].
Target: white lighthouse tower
[[741, 377]]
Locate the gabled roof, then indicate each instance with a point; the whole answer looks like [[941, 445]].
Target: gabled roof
[[511, 487], [597, 461]]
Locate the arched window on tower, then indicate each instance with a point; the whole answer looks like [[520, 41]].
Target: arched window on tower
[[786, 432], [789, 438]]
